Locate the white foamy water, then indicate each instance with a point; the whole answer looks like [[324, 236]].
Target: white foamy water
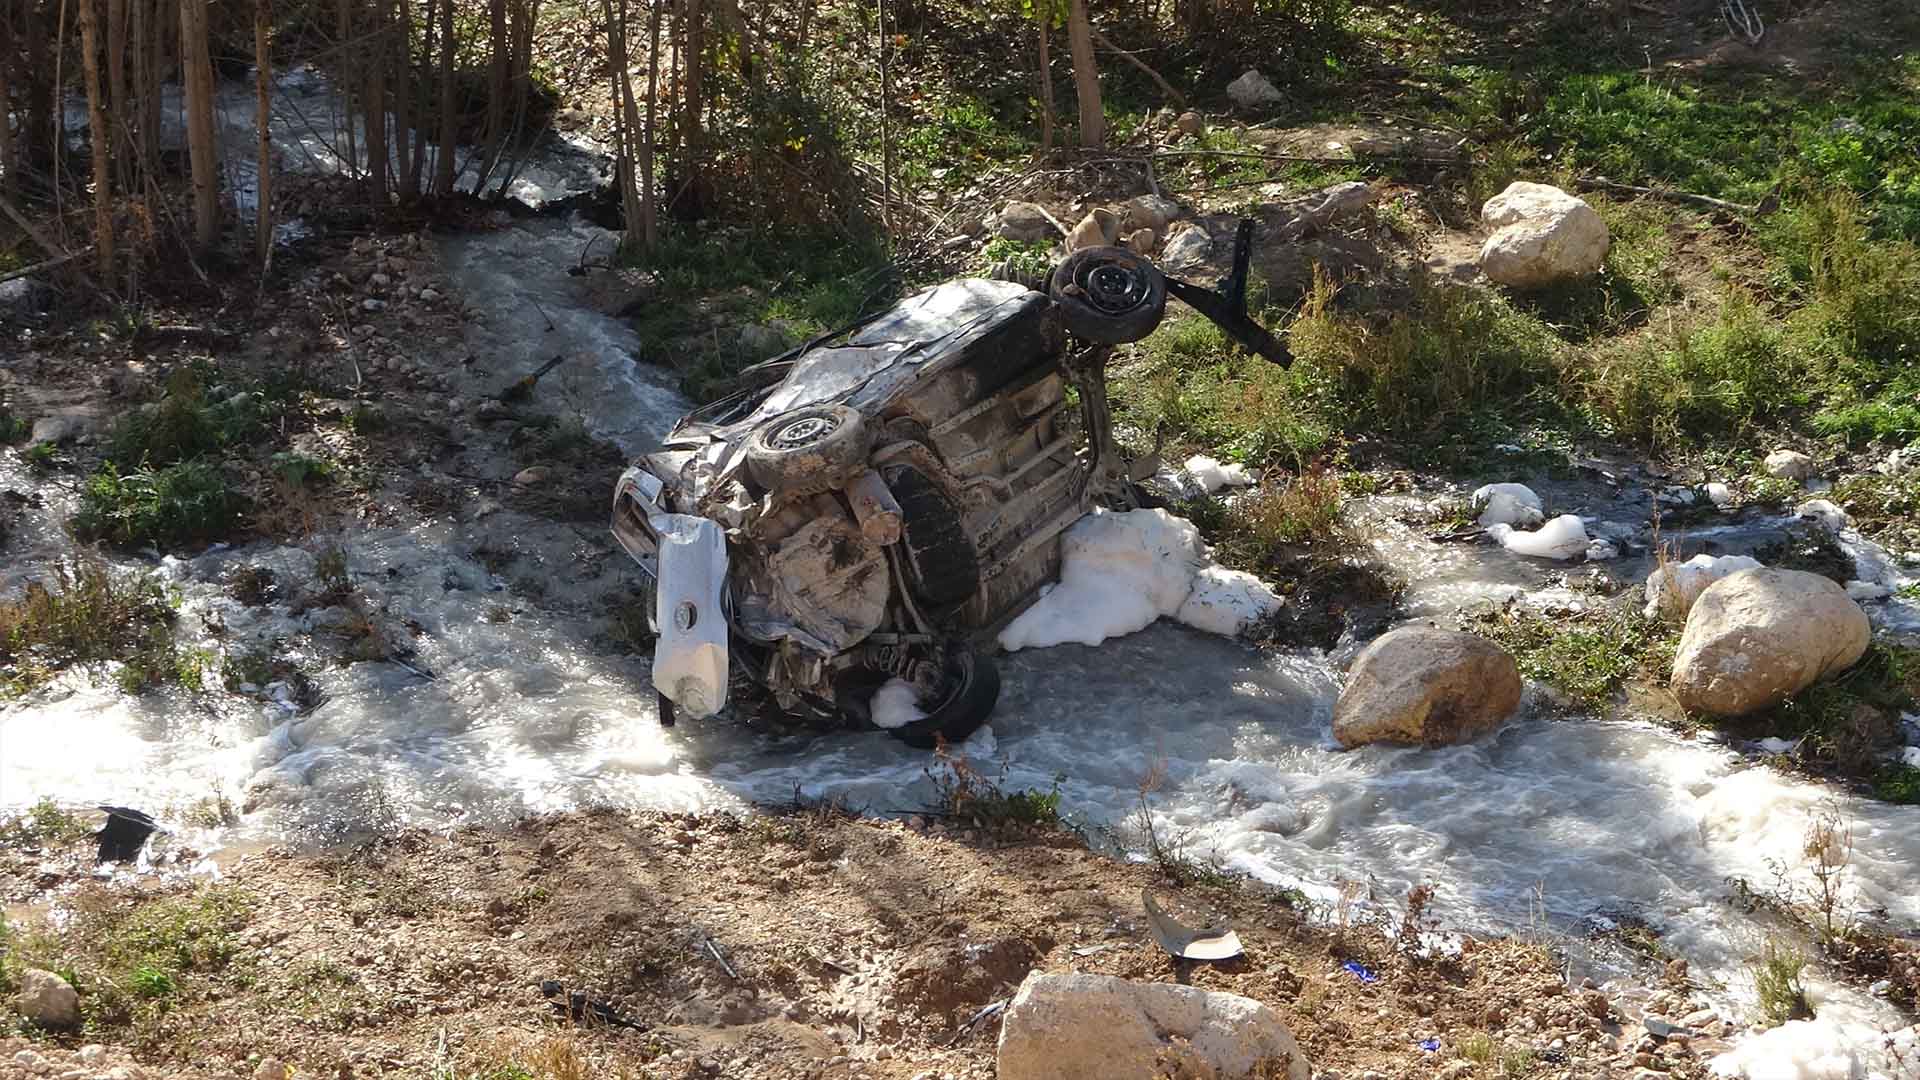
[[1587, 817]]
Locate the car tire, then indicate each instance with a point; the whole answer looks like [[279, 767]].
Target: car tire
[[808, 450], [1108, 295], [973, 691], [946, 568]]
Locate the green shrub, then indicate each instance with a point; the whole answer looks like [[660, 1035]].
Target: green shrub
[[179, 504], [1454, 350], [1684, 379], [184, 424], [85, 615]]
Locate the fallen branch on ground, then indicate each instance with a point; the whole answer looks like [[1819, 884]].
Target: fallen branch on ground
[[1589, 183], [24, 271]]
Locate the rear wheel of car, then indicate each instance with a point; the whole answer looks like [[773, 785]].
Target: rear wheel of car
[[972, 688], [946, 568], [1108, 295], [808, 450]]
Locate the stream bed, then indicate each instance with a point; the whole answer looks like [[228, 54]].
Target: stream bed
[[1551, 826]]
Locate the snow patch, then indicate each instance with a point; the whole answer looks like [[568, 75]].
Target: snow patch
[[1866, 590], [1562, 538], [896, 704], [1508, 504], [1227, 602], [1689, 579], [1118, 573], [1211, 475], [1719, 494]]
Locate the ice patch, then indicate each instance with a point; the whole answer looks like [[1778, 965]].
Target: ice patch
[[1508, 504], [1773, 745], [896, 704], [1910, 756], [1689, 579], [1118, 573], [1227, 602], [1211, 475], [1719, 494], [1602, 549], [1562, 538]]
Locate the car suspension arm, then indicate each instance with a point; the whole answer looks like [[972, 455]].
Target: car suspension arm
[[1226, 305]]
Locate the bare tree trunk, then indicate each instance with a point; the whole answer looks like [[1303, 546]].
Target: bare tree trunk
[[349, 70], [649, 201], [9, 164], [263, 89], [806, 24], [619, 70], [449, 128], [374, 107], [157, 41], [100, 139], [498, 57], [1086, 75], [1043, 16], [886, 139], [693, 106], [197, 72], [118, 106], [400, 55], [37, 145]]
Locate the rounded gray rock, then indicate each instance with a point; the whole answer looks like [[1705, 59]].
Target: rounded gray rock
[[1757, 637], [1428, 686]]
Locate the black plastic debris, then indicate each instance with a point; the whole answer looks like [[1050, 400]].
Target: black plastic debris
[[124, 834], [582, 1009]]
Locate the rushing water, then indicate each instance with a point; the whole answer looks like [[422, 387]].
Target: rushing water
[[1551, 824]]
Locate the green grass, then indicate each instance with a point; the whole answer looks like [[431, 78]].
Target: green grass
[[1416, 371], [179, 504], [186, 423], [1849, 722], [1776, 982], [1585, 655], [43, 823], [12, 428], [87, 615]]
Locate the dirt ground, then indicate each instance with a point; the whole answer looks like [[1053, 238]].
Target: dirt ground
[[806, 945]]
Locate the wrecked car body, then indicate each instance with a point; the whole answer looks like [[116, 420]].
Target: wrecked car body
[[877, 501]]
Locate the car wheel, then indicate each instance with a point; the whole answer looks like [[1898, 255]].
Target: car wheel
[[808, 450], [1108, 295], [972, 690]]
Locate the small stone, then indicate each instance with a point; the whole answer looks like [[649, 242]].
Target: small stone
[[380, 281], [1594, 1002], [1252, 90], [454, 405], [533, 475], [1189, 123], [272, 1069], [1788, 465], [371, 304], [31, 1063], [1024, 222], [47, 1000], [93, 1054], [429, 296]]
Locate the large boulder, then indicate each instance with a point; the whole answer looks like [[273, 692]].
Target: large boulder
[[1024, 222], [1541, 236], [1757, 637], [1253, 91], [47, 1001], [1098, 1027], [1426, 685]]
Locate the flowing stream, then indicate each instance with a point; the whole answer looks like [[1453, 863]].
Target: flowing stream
[[1554, 826]]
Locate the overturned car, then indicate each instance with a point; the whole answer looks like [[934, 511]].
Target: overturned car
[[880, 500]]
